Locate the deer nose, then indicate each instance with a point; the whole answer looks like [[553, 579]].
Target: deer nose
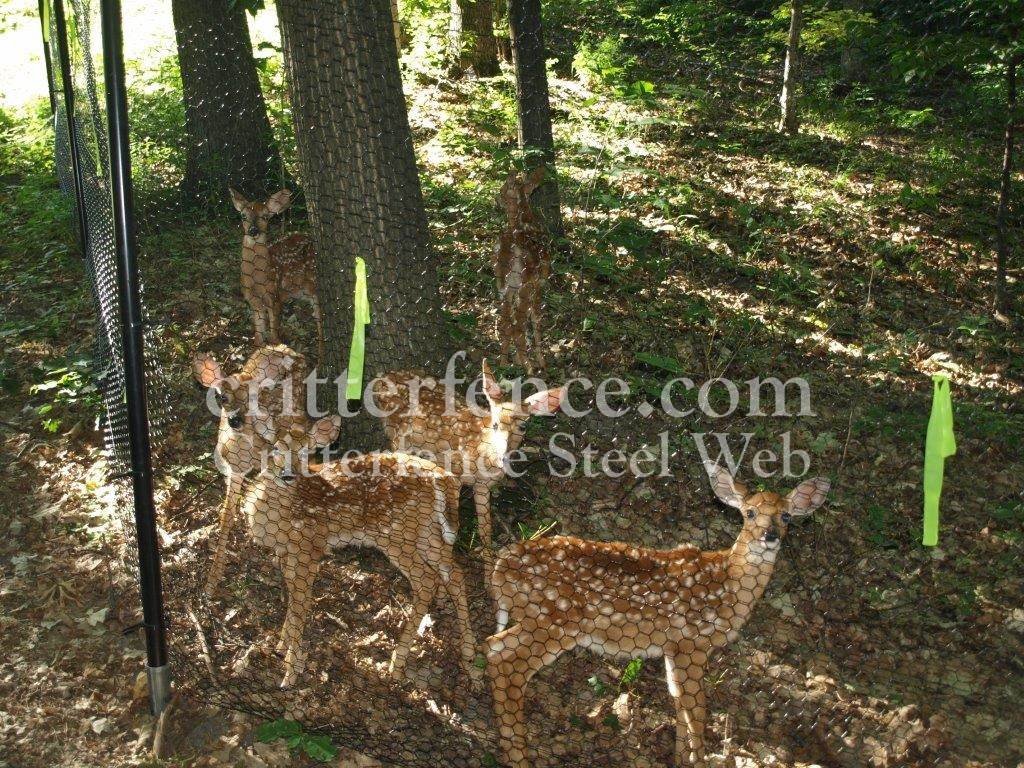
[[235, 422], [772, 535], [253, 231]]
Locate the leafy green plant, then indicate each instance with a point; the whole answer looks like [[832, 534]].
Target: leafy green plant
[[630, 673], [315, 746], [65, 386], [603, 63]]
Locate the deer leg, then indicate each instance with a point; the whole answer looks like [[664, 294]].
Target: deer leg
[[538, 344], [503, 328], [513, 658], [319, 329], [274, 320], [220, 549], [685, 677], [520, 321], [482, 502], [300, 572], [259, 320], [424, 580], [455, 585], [521, 349], [282, 643]]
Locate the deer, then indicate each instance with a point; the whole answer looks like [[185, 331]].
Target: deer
[[273, 273], [242, 439], [394, 502], [418, 418], [521, 263], [627, 601]]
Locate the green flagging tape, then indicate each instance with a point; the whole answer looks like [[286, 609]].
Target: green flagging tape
[[46, 21], [940, 444], [356, 354]]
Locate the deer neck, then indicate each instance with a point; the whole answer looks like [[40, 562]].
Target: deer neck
[[748, 569], [255, 244]]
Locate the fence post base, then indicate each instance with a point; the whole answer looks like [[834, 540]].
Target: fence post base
[[159, 688]]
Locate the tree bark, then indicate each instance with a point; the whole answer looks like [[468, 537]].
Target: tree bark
[[400, 40], [534, 109], [790, 120], [501, 36], [474, 41], [1002, 299], [230, 141], [455, 34], [851, 59], [361, 183]]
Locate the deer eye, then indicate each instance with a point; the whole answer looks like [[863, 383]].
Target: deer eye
[[786, 517], [751, 514]]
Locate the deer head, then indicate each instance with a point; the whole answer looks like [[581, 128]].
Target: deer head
[[253, 404], [508, 418], [256, 215], [766, 516]]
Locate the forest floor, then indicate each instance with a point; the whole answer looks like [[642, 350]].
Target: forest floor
[[856, 255]]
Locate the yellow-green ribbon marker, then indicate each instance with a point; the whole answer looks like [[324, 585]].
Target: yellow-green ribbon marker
[[939, 445], [361, 318]]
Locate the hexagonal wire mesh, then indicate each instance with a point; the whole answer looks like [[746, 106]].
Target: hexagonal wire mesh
[[417, 605]]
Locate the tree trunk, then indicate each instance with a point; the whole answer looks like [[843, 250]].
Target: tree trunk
[[790, 120], [1002, 299], [456, 36], [851, 59], [501, 35], [476, 46], [400, 40], [361, 183], [534, 109], [230, 141]]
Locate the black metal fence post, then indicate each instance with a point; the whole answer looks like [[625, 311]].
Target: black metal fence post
[[44, 21], [68, 87], [134, 357]]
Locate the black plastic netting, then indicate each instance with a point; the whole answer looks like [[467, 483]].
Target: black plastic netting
[[270, 153], [97, 236]]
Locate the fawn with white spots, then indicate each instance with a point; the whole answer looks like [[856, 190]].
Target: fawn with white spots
[[396, 503], [470, 445], [272, 380], [521, 263], [632, 602], [273, 273]]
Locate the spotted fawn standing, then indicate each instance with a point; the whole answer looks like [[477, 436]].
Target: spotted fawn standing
[[471, 445], [632, 602], [521, 264], [276, 272]]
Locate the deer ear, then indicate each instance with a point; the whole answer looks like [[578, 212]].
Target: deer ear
[[808, 496], [207, 370], [545, 403], [324, 432], [534, 179], [237, 199], [491, 386], [278, 201], [729, 491]]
